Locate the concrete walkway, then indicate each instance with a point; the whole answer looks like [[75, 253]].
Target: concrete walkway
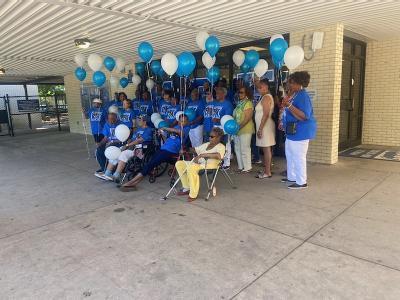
[[64, 234]]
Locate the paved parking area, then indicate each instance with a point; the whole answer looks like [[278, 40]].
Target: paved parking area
[[66, 235]]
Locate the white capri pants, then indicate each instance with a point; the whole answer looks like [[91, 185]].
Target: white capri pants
[[196, 136], [124, 156], [243, 151], [296, 158]]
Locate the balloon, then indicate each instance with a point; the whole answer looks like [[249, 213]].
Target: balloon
[[261, 68], [212, 45], [225, 118], [191, 114], [99, 78], [120, 64], [95, 62], [277, 49], [122, 132], [140, 68], [245, 67], [157, 122], [80, 73], [114, 81], [136, 80], [207, 60], [201, 38], [155, 67], [274, 37], [251, 58], [150, 83], [231, 127], [123, 82], [80, 59], [186, 63], [162, 124], [213, 74], [294, 56], [145, 50], [109, 63], [178, 115], [277, 63], [112, 152], [238, 57], [169, 63], [154, 117]]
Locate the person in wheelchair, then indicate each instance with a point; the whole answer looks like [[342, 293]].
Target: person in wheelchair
[[142, 135], [168, 151], [209, 156]]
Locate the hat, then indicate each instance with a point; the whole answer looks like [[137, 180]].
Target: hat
[[97, 100], [113, 110]]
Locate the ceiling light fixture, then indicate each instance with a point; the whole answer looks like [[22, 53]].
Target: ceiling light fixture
[[2, 71], [82, 43]]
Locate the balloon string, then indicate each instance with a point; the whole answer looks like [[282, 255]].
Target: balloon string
[[84, 128]]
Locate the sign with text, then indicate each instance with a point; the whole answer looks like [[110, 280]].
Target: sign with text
[[28, 105]]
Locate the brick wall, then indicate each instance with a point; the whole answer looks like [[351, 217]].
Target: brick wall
[[326, 72], [381, 119]]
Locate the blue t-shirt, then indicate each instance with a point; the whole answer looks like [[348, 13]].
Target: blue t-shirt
[[305, 130], [126, 117], [145, 133], [173, 142], [198, 107], [113, 102], [163, 108], [208, 115], [146, 108], [136, 107], [97, 117], [109, 132], [221, 109], [171, 111]]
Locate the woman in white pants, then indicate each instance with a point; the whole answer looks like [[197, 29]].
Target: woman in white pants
[[243, 114], [300, 127]]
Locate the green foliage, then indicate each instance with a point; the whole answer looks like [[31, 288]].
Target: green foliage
[[46, 90]]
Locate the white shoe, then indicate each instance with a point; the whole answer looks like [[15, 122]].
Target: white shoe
[[99, 174]]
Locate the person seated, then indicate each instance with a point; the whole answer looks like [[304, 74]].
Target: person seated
[[142, 134], [108, 139], [170, 149]]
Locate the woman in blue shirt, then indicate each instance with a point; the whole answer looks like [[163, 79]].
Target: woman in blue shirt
[[127, 115], [300, 127], [171, 112]]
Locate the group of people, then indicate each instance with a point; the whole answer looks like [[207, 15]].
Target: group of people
[[203, 133]]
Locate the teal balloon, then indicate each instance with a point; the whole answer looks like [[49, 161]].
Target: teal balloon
[[277, 49], [186, 63], [277, 64], [213, 74], [109, 63], [80, 73], [99, 78], [245, 67], [231, 127], [251, 58], [155, 67], [190, 113], [140, 68], [163, 124], [212, 45], [123, 82], [145, 50]]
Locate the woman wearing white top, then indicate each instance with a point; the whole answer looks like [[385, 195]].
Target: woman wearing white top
[[265, 126]]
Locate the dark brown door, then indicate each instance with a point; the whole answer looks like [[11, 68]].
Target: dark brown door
[[352, 93]]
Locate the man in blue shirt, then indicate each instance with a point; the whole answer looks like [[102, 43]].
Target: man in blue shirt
[[196, 126], [97, 117]]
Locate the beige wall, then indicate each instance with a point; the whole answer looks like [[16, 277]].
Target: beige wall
[[381, 119], [326, 72], [72, 91]]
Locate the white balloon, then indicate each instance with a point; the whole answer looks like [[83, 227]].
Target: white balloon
[[120, 64], [207, 60], [178, 115], [154, 117], [294, 56], [261, 67], [80, 59], [95, 62], [238, 57], [201, 38], [157, 122], [114, 81], [150, 84], [122, 132], [274, 37], [169, 63], [112, 152], [136, 80], [225, 119]]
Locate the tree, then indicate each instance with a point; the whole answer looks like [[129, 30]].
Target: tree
[[46, 90]]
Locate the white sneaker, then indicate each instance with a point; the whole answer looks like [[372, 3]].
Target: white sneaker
[[99, 174], [108, 178]]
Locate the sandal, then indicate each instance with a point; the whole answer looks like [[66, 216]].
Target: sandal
[[263, 175], [190, 199]]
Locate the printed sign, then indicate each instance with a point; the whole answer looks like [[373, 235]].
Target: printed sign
[[30, 105]]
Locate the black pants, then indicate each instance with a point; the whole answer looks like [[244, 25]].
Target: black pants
[[158, 158]]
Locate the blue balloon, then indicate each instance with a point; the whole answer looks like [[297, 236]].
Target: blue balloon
[[123, 82], [80, 73], [213, 74], [277, 49], [145, 51], [212, 45], [245, 67], [99, 78], [163, 124], [109, 63], [186, 63], [179, 71], [190, 113], [155, 67], [278, 64], [140, 68], [231, 127], [251, 58]]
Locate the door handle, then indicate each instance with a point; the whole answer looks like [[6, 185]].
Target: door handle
[[352, 104]]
